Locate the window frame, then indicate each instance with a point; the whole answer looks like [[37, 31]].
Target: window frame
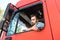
[[20, 9]]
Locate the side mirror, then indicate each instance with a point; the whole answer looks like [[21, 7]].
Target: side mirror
[[5, 25]]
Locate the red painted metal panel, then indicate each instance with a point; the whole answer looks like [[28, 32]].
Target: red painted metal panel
[[22, 3], [3, 35], [54, 15]]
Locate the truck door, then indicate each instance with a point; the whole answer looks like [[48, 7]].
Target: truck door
[[7, 17]]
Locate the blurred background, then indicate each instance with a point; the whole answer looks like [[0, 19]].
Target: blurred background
[[3, 5]]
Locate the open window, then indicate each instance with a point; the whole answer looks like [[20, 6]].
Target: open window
[[28, 11], [35, 9], [22, 18]]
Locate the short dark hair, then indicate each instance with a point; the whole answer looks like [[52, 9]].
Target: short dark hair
[[34, 15]]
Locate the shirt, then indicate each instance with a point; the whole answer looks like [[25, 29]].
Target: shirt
[[40, 25]]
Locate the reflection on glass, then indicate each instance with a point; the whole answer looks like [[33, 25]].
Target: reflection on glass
[[21, 27], [12, 25]]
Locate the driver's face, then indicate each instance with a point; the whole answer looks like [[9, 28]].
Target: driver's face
[[33, 20]]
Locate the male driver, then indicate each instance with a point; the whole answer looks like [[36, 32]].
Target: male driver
[[36, 25]]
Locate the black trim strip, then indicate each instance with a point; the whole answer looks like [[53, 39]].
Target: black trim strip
[[30, 5]]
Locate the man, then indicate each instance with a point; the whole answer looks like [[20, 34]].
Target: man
[[36, 25]]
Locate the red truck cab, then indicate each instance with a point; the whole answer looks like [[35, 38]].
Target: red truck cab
[[51, 15]]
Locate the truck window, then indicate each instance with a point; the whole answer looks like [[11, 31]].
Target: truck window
[[22, 20]]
